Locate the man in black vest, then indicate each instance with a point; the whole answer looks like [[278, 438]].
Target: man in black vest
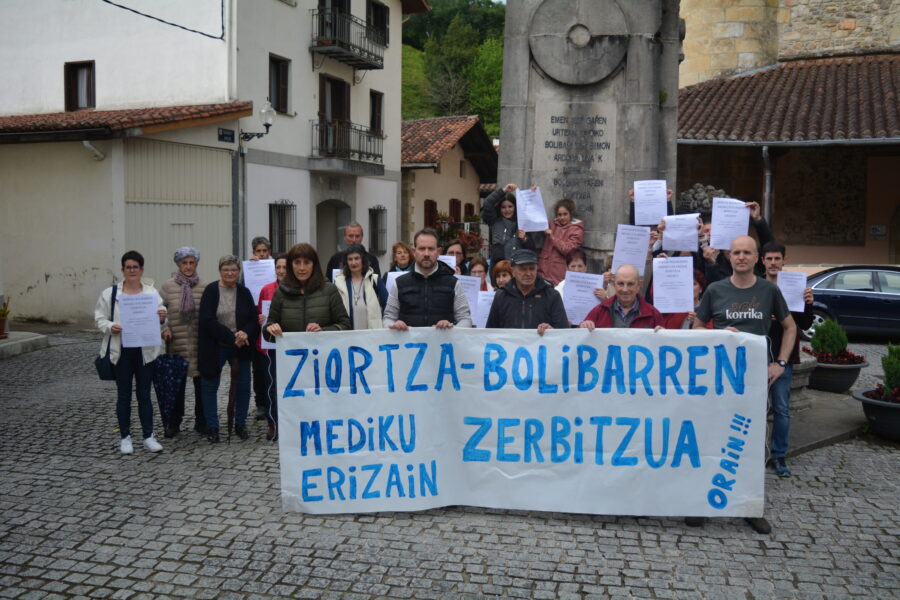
[[429, 295]]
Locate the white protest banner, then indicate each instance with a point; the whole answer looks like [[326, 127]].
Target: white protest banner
[[673, 284], [139, 320], [681, 233], [448, 260], [266, 304], [482, 309], [650, 204], [730, 219], [614, 421], [258, 274], [391, 280], [792, 284], [531, 214], [471, 286], [578, 294], [632, 245]]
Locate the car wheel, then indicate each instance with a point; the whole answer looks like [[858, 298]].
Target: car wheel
[[818, 318]]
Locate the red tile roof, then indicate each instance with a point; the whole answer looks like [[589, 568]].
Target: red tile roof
[[117, 120], [824, 99], [427, 140]]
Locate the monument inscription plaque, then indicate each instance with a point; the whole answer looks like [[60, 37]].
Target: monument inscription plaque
[[574, 149]]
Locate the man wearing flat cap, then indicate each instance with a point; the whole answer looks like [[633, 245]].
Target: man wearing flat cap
[[527, 301]]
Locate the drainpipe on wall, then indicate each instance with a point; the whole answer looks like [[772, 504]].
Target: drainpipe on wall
[[767, 186]]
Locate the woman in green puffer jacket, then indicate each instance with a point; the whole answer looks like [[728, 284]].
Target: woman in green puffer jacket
[[304, 301]]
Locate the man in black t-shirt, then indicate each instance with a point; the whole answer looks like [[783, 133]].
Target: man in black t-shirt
[[744, 302]]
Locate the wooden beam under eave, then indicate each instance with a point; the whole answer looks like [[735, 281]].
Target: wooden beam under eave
[[186, 123]]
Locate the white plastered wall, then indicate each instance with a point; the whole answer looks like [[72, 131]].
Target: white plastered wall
[[61, 227], [138, 61]]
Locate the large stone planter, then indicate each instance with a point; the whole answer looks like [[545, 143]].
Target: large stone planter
[[883, 417], [835, 378]]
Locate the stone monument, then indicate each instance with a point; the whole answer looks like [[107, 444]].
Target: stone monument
[[590, 92]]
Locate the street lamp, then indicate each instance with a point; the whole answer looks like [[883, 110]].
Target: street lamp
[[267, 116]]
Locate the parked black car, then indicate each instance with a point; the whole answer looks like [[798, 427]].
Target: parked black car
[[864, 299]]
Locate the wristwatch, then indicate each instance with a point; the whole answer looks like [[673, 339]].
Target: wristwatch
[[781, 363]]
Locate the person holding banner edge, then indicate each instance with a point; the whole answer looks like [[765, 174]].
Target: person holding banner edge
[[747, 303], [430, 295]]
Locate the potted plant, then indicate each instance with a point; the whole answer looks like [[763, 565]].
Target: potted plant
[[882, 405], [4, 314], [837, 368]]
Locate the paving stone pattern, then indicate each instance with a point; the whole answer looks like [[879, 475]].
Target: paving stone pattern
[[77, 520]]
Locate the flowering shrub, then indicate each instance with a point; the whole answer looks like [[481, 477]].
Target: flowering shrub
[[844, 357], [889, 391], [884, 394]]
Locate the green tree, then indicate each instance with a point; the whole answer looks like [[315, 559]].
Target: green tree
[[485, 17], [447, 60], [414, 99], [485, 77]]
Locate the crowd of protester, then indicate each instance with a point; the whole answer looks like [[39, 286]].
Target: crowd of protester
[[211, 324]]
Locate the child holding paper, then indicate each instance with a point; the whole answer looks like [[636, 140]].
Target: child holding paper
[[566, 233]]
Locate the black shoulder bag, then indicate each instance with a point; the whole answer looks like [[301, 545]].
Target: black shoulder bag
[[106, 370]]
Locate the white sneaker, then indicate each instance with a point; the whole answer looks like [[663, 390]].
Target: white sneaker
[[151, 444], [126, 447]]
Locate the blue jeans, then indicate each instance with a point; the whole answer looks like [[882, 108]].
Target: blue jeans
[[131, 367], [209, 388], [780, 394]]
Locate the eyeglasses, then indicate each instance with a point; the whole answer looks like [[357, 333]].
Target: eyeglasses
[[229, 270], [132, 267]]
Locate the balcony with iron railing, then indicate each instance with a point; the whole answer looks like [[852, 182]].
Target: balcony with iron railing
[[346, 38], [346, 147]]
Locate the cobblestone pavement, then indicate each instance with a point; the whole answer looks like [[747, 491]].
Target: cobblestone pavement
[[200, 521]]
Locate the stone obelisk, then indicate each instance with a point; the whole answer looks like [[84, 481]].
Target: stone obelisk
[[590, 92]]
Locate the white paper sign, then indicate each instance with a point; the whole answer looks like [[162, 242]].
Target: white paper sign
[[681, 233], [792, 285], [139, 320], [649, 201], [531, 214], [578, 294], [266, 304], [391, 280], [448, 260], [730, 219], [632, 245], [334, 274], [413, 420], [482, 309], [673, 284], [258, 274], [471, 286]]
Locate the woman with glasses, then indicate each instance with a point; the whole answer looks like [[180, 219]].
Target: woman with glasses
[[132, 364], [181, 296], [228, 329], [566, 233], [478, 267]]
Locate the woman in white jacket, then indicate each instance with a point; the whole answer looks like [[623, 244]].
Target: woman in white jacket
[[362, 291], [132, 364]]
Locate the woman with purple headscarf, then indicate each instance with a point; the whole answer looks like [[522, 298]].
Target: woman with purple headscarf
[[181, 297]]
